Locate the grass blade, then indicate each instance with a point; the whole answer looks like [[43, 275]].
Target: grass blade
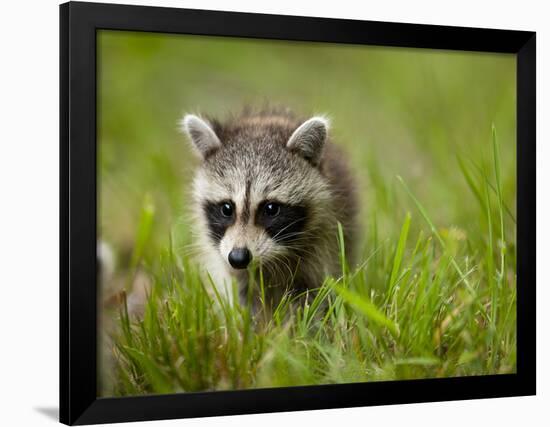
[[398, 257], [367, 308]]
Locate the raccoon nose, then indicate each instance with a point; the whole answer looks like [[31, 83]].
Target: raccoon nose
[[239, 258]]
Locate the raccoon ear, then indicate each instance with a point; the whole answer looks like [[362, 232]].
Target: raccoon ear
[[309, 139], [200, 132]]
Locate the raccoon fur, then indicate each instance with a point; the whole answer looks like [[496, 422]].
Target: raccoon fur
[[270, 191]]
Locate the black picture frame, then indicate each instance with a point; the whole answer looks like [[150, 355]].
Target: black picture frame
[[79, 403]]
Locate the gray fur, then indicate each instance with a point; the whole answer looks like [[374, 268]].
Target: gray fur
[[273, 155]]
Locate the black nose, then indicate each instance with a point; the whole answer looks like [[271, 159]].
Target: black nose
[[239, 258]]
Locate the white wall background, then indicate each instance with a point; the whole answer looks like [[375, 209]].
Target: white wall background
[[29, 210]]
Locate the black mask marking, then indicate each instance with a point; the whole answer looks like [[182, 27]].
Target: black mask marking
[[217, 222], [286, 226]]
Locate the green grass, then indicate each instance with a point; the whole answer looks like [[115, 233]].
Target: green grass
[[434, 304], [433, 293]]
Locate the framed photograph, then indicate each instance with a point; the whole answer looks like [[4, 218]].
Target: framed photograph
[[267, 213]]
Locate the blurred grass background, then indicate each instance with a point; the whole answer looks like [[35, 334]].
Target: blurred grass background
[[413, 113]]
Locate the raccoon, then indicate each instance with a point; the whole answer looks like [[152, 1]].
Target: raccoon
[[270, 191]]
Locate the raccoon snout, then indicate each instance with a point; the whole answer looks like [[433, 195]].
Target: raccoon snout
[[239, 258]]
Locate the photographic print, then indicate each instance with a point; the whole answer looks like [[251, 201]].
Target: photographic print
[[284, 213]]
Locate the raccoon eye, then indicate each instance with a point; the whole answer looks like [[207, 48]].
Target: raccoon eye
[[272, 209], [227, 209]]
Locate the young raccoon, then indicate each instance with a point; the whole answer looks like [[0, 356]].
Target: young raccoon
[[271, 188]]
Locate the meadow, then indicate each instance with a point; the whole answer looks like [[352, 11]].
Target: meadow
[[431, 139]]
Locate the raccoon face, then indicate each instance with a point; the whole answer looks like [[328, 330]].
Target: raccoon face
[[258, 193]]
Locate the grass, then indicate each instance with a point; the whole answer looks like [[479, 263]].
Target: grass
[[433, 293], [435, 304]]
